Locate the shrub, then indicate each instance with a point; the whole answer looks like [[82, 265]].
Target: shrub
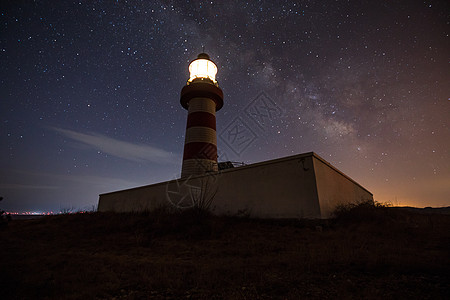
[[4, 217], [365, 211]]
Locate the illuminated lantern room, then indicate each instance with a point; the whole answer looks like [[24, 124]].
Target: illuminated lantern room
[[202, 68]]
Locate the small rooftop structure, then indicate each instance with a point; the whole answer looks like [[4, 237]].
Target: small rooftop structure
[[229, 164]]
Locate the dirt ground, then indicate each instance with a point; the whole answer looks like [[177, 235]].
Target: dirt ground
[[367, 253]]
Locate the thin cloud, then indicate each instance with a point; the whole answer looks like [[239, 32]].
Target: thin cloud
[[67, 181], [16, 186], [118, 148]]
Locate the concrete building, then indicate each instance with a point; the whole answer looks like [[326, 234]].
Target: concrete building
[[299, 186]]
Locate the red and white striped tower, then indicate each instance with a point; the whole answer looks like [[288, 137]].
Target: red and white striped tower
[[202, 97]]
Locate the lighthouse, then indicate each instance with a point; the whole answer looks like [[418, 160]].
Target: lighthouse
[[298, 186], [201, 97]]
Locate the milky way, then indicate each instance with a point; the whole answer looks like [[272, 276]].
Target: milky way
[[90, 93]]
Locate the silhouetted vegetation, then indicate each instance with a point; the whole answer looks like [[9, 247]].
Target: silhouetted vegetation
[[366, 211], [366, 251], [4, 217]]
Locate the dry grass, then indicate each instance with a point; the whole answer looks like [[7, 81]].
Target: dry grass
[[366, 252]]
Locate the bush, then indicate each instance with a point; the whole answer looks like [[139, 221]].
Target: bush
[[365, 211], [4, 217]]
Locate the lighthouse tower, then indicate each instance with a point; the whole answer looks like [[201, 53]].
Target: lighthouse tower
[[202, 97]]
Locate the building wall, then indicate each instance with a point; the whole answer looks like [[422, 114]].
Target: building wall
[[144, 198], [282, 188], [300, 186], [335, 188]]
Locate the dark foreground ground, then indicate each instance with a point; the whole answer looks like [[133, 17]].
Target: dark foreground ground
[[366, 253]]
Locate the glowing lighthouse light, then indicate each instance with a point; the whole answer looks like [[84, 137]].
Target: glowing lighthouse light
[[202, 68]]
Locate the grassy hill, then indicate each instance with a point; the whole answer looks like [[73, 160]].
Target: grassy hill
[[366, 252]]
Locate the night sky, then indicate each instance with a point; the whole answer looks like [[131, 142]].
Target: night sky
[[90, 93]]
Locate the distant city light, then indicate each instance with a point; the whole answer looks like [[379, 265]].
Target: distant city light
[[44, 213], [31, 213]]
